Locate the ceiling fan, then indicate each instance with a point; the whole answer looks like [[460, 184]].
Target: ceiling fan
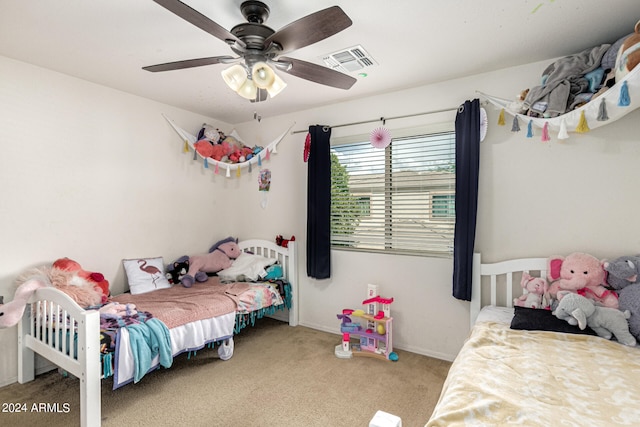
[[257, 44]]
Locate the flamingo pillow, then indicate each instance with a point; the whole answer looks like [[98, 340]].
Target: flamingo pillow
[[145, 274]]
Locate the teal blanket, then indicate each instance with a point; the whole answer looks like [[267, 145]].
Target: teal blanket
[[148, 340]]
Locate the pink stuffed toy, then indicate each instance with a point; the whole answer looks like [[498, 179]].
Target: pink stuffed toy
[[96, 279], [535, 292], [583, 274], [11, 312], [220, 256]]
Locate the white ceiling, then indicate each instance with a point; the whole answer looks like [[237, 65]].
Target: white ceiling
[[415, 42]]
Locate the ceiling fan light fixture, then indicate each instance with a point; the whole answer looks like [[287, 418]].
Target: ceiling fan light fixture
[[235, 77], [248, 90], [263, 75], [277, 86]]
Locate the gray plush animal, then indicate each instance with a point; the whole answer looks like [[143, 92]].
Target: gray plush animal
[[623, 271], [624, 276], [605, 321]]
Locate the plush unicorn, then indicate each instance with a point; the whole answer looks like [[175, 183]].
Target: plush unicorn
[[220, 256]]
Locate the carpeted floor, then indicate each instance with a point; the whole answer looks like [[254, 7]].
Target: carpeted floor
[[278, 376]]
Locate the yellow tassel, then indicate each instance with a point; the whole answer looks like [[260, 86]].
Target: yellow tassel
[[238, 171], [582, 124], [501, 118], [186, 146]]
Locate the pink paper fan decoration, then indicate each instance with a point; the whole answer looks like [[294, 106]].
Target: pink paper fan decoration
[[380, 138]]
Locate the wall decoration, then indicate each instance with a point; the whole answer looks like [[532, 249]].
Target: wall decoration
[[264, 185], [193, 143]]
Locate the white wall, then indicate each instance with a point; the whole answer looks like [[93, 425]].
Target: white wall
[[536, 199], [95, 174]]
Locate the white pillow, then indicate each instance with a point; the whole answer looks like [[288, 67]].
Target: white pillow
[[145, 274], [246, 267]]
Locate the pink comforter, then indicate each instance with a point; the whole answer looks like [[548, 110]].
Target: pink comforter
[[178, 305]]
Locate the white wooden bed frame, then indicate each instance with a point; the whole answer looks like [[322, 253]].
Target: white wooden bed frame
[[83, 360], [500, 279]]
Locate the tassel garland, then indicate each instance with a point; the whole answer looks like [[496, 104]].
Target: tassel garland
[[249, 167], [624, 99], [186, 146], [206, 163], [545, 133], [515, 126], [259, 160], [501, 118], [530, 129], [228, 172], [238, 172], [563, 134], [602, 111], [582, 124], [217, 171], [268, 155], [195, 155]]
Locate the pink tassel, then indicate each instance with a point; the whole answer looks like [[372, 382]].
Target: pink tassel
[[268, 155], [545, 133]]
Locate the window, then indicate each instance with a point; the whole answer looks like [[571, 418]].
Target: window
[[400, 199]]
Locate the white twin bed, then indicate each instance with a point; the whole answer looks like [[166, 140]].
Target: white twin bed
[[56, 328], [534, 376]]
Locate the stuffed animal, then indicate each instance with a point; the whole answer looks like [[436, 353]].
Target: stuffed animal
[[116, 309], [204, 148], [177, 270], [624, 278], [96, 279], [580, 273], [11, 312], [629, 54], [209, 133], [606, 322], [220, 152], [280, 241], [220, 256], [535, 291]]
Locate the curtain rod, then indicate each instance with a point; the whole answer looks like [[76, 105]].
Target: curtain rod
[[382, 119]]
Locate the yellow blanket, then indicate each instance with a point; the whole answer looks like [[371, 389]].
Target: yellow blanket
[[535, 378]]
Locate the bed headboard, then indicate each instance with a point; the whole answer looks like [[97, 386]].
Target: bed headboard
[[494, 283], [287, 258]]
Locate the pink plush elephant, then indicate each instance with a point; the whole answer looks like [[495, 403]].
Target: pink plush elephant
[[583, 274]]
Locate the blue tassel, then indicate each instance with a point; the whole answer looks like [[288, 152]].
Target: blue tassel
[[206, 163], [259, 160], [624, 99], [530, 129]]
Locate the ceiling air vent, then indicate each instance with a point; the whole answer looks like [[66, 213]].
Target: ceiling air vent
[[349, 60]]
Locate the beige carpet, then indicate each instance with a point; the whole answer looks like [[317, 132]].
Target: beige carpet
[[278, 376]]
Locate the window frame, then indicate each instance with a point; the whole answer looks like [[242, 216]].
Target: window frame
[[446, 220]]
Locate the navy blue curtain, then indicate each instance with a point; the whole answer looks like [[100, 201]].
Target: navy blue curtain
[[319, 204], [467, 170]]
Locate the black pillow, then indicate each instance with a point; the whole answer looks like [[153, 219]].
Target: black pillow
[[534, 319]]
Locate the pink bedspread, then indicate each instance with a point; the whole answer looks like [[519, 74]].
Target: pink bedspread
[[178, 305]]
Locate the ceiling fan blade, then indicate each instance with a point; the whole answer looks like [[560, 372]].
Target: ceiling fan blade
[[310, 29], [317, 73], [196, 18], [189, 63]]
